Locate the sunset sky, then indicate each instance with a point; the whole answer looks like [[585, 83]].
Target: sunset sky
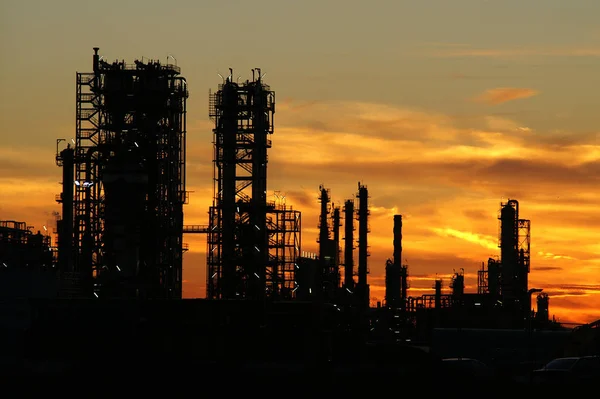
[[443, 109]]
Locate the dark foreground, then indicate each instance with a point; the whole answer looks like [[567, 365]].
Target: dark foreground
[[198, 347]]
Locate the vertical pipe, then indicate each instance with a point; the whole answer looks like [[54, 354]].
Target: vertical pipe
[[363, 230], [349, 245], [398, 260], [96, 58], [397, 240], [324, 276], [404, 287], [65, 240], [336, 245], [393, 275], [509, 249], [438, 294], [323, 226]]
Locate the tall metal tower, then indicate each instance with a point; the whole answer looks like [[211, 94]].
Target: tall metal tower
[[245, 230], [123, 215], [514, 243], [395, 294], [362, 286], [349, 246]]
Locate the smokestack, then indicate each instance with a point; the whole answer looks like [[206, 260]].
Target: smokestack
[[349, 245], [96, 59], [398, 241]]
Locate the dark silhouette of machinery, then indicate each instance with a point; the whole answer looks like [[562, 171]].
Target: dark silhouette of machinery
[[362, 286], [329, 248], [503, 298], [396, 274], [27, 262], [120, 238], [124, 183], [349, 282], [319, 276], [253, 243]]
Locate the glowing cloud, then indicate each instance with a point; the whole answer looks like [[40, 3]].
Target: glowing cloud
[[446, 180], [504, 94], [484, 241]]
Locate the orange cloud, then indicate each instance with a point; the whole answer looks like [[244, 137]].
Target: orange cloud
[[445, 179], [504, 94]]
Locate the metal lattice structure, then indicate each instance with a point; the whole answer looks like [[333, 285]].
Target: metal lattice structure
[[284, 227], [250, 251], [129, 180]]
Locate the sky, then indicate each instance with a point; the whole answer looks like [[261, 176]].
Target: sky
[[443, 109]]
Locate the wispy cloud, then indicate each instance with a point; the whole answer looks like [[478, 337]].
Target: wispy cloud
[[501, 95], [479, 239], [468, 51], [447, 179]]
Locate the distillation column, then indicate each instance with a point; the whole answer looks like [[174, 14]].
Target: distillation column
[[256, 265], [66, 159], [336, 246], [349, 246], [362, 287], [238, 237], [225, 152], [393, 269], [324, 253], [509, 241], [123, 177], [128, 188]]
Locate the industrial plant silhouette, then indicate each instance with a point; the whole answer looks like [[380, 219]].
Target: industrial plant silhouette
[[271, 309]]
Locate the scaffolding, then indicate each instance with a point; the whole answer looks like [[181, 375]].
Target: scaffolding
[[482, 280], [284, 226], [129, 143], [252, 243]]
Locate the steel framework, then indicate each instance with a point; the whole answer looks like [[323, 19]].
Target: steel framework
[[253, 244], [129, 179], [482, 280], [284, 225]]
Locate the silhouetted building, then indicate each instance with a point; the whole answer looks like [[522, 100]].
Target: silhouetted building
[[129, 144], [249, 255], [27, 263]]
